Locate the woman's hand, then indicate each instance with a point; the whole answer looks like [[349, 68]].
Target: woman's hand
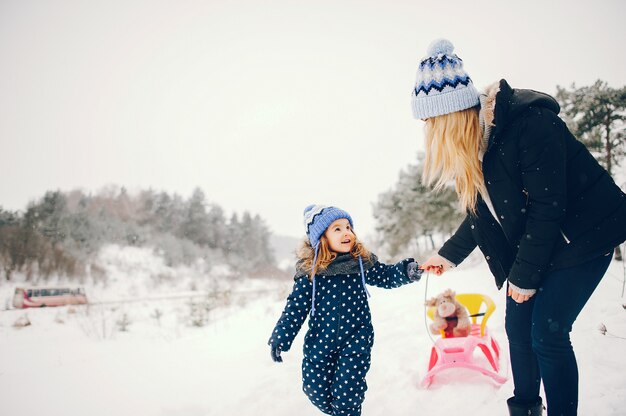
[[518, 297], [436, 264]]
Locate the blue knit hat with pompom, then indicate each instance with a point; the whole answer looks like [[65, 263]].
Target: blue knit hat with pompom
[[317, 218], [442, 85]]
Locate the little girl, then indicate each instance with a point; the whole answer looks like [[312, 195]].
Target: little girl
[[331, 274]]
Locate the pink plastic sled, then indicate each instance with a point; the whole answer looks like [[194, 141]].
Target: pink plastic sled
[[458, 352]]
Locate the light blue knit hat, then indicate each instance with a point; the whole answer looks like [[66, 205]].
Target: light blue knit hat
[[442, 85], [317, 218]]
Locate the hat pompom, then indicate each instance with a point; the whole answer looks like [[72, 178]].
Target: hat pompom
[[440, 47]]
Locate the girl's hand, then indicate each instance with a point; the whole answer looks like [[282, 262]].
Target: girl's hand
[[436, 264], [275, 351], [518, 297], [414, 272]]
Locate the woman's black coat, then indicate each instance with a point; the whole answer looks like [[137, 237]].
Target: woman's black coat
[[556, 205]]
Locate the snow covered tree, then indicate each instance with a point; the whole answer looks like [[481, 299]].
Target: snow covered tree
[[258, 246], [10, 257], [195, 223], [49, 216], [233, 235], [247, 245], [411, 210], [596, 116], [81, 229], [216, 224]]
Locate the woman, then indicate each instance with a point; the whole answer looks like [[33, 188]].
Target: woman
[[544, 213]]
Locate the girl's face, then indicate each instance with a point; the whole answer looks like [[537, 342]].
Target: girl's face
[[340, 237]]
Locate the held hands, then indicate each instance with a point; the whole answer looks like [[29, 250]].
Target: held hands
[[436, 264], [413, 271], [275, 353]]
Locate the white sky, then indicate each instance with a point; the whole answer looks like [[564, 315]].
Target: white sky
[[268, 106]]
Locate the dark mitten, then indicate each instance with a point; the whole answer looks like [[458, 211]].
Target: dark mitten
[[413, 271], [275, 353]]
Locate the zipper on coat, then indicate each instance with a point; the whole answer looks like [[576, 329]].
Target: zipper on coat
[[567, 240], [342, 288], [487, 257], [525, 192]]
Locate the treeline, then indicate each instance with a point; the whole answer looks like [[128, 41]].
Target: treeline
[[61, 233]]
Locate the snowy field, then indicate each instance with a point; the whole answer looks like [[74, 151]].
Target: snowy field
[[79, 361]]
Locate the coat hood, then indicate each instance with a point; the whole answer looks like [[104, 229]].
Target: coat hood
[[510, 103], [344, 263]]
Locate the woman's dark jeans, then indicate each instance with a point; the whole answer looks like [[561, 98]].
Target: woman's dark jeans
[[538, 332]]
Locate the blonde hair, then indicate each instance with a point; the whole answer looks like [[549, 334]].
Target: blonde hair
[[452, 144], [325, 255]]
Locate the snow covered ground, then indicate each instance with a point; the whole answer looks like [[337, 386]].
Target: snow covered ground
[[78, 361]]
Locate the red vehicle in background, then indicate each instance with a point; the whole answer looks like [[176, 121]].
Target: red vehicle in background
[[40, 297]]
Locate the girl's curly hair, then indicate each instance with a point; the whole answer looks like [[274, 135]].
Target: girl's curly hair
[[325, 255]]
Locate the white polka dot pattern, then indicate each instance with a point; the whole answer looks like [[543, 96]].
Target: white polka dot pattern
[[339, 341]]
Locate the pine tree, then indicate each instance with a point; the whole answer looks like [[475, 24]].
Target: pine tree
[[195, 224], [411, 210], [216, 227], [9, 235], [233, 237], [50, 215], [596, 115]]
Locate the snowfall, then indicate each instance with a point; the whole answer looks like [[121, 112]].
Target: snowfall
[[155, 342]]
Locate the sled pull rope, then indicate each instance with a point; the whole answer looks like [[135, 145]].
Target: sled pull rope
[[426, 309]]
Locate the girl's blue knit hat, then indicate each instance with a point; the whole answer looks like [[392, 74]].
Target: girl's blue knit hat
[[317, 218], [442, 85]]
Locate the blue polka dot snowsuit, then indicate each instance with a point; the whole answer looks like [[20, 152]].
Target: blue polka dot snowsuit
[[338, 344]]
